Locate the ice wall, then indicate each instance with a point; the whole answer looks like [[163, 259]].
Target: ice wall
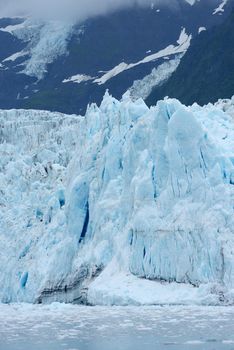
[[35, 148], [160, 190], [148, 195]]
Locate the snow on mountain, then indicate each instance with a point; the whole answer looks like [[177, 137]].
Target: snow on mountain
[[196, 84], [220, 9], [15, 56], [191, 2], [79, 78], [128, 205], [14, 28], [158, 75], [183, 45], [65, 60], [52, 43], [201, 29], [46, 41]]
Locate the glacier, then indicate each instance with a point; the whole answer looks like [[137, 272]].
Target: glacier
[[158, 76], [127, 205], [46, 41]]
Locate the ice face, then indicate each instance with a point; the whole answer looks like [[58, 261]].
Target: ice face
[[145, 193], [158, 189], [35, 148]]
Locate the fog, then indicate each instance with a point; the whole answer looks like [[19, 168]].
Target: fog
[[76, 9]]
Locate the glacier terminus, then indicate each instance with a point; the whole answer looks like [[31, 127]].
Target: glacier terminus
[[127, 205]]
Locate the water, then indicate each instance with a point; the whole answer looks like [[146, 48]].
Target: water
[[67, 327]]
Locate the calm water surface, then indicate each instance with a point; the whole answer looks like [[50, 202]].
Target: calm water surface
[[66, 327]]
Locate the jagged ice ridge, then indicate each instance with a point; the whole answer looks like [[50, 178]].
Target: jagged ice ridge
[[128, 205]]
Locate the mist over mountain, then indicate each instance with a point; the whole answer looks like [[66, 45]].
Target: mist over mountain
[[78, 10], [64, 65]]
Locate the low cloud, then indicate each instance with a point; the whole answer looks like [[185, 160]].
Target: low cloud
[[76, 9]]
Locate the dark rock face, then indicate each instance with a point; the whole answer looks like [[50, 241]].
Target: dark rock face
[[72, 289], [124, 36]]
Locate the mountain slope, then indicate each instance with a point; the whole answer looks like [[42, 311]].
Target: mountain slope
[[206, 72], [65, 66]]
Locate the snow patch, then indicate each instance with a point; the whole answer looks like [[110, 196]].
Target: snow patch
[[220, 9], [79, 78], [15, 56], [12, 28], [201, 29], [183, 45]]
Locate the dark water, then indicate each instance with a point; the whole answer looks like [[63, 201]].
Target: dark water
[[66, 327]]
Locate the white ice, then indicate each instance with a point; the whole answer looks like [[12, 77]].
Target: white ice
[[220, 9], [142, 88], [78, 78], [183, 45], [144, 196], [45, 42]]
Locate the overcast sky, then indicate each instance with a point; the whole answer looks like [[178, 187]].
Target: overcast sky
[[81, 9]]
